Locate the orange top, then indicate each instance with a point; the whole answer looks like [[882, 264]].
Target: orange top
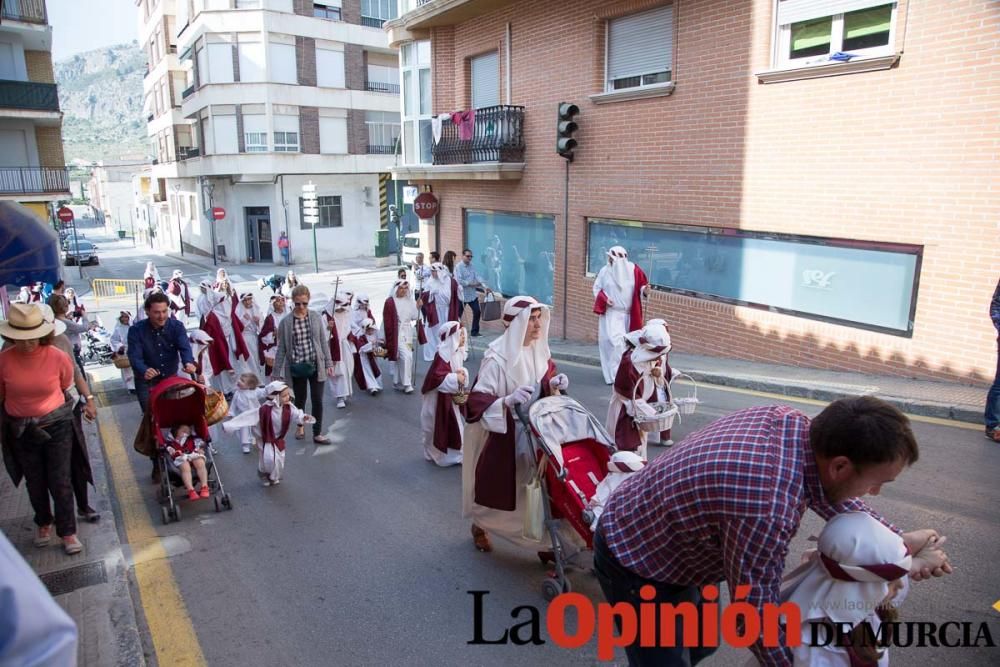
[[33, 384]]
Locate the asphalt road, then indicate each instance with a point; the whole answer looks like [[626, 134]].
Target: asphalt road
[[361, 556]]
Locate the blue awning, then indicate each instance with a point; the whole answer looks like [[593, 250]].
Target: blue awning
[[29, 249]]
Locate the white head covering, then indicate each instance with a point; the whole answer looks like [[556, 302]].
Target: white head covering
[[151, 271], [361, 301], [858, 557], [242, 309], [291, 278], [205, 285], [406, 307], [221, 274], [650, 342], [273, 391], [59, 327], [622, 271], [625, 462], [524, 365], [199, 336], [178, 274], [395, 286], [367, 323], [449, 336]]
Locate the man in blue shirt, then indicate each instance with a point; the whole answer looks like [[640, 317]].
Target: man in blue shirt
[[993, 397], [470, 282], [157, 346]]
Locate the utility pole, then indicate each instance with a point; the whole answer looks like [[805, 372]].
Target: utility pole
[[177, 203]]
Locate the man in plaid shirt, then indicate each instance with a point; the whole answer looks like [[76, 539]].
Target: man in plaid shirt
[[726, 503]]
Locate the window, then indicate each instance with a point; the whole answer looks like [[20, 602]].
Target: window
[[255, 132], [819, 278], [329, 68], [377, 12], [513, 252], [417, 136], [640, 49], [251, 57], [820, 31], [329, 213], [286, 133], [383, 131], [382, 79], [283, 69], [486, 80], [332, 135], [329, 9]]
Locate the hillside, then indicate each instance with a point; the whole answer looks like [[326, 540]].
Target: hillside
[[100, 94]]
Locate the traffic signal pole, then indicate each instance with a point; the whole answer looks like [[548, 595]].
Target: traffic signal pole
[[565, 294], [565, 145]]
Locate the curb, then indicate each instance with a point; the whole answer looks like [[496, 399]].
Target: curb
[[208, 267], [960, 413]]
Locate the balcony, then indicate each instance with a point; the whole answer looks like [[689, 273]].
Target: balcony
[[372, 22], [378, 149], [28, 95], [379, 87], [496, 136], [188, 92], [188, 152], [33, 180], [417, 17], [26, 11]]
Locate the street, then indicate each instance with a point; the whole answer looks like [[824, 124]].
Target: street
[[361, 556]]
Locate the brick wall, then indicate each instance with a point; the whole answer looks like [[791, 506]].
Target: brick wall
[[354, 66], [241, 138], [357, 132], [350, 11], [873, 156], [50, 148], [39, 66], [305, 60], [302, 7], [309, 129]]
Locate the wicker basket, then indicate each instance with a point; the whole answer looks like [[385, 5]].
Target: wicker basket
[[120, 361], [380, 351], [461, 396], [661, 419], [686, 405], [216, 407]]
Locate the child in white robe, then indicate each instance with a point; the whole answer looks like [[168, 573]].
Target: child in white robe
[[246, 398], [271, 423]]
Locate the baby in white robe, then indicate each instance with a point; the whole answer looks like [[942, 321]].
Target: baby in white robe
[[621, 465], [247, 397]]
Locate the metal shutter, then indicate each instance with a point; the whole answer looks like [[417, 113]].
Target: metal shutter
[[486, 80], [640, 43], [793, 11]]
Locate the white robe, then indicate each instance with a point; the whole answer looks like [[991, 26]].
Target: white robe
[[223, 310], [245, 400], [119, 341], [614, 323], [250, 331], [341, 386], [402, 369], [271, 462], [428, 410], [440, 295], [364, 351], [651, 392]]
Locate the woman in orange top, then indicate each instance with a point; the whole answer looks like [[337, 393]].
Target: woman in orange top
[[38, 421]]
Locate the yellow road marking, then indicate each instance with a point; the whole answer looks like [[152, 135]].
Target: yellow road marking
[[808, 401], [170, 626], [996, 605]]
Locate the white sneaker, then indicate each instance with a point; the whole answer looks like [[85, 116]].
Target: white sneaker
[[408, 390], [266, 482], [666, 443], [276, 482], [373, 392], [246, 448], [341, 403]]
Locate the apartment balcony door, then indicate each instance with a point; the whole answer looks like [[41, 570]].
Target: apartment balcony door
[[258, 221]]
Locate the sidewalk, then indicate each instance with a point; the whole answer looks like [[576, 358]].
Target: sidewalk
[[93, 587], [347, 266], [919, 397]]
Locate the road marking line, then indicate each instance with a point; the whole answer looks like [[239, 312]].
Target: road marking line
[[808, 401], [170, 626]]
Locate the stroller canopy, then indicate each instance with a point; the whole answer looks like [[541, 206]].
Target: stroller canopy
[[29, 249], [175, 401], [559, 420]]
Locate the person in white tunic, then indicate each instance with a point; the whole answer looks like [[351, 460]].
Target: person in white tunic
[[440, 418], [119, 344], [246, 398], [203, 304], [498, 459], [338, 318], [398, 315], [291, 281], [617, 300], [251, 318], [271, 423], [441, 304], [364, 339]]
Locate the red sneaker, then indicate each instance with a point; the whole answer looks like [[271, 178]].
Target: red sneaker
[[193, 495], [205, 493]]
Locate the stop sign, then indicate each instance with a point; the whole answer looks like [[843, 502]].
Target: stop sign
[[218, 213], [426, 205], [65, 214]]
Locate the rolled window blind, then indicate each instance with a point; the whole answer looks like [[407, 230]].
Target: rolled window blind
[[486, 80], [640, 43], [793, 11]]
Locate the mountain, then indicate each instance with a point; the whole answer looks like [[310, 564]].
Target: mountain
[[100, 94]]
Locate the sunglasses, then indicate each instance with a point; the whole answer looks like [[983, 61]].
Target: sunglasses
[[301, 303]]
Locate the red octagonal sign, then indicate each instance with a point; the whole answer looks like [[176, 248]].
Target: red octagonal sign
[[426, 205], [65, 214], [218, 213]]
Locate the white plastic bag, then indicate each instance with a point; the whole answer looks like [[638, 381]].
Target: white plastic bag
[[534, 511]]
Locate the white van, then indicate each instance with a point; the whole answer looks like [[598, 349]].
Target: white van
[[411, 246]]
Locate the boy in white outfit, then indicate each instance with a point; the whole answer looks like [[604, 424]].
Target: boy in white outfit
[[246, 398]]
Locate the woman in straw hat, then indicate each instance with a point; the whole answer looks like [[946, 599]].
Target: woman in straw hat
[[38, 421]]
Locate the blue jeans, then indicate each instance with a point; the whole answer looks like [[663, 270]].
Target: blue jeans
[[620, 584], [992, 416]]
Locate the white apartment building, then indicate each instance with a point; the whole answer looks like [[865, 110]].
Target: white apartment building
[[251, 99]]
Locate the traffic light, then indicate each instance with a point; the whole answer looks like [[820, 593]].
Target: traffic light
[[565, 127]]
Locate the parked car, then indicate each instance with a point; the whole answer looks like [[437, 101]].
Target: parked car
[[80, 251], [411, 246]]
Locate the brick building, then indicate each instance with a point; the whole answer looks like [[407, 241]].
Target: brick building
[[805, 182]]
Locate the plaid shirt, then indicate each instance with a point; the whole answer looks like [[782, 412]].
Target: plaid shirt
[[995, 308], [724, 504], [302, 348]]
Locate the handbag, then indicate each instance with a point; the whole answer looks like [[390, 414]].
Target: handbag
[[533, 527], [303, 369], [121, 361], [492, 309], [216, 407], [145, 437]]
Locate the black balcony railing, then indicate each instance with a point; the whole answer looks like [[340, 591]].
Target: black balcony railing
[[28, 95], [188, 92], [379, 87], [188, 152], [372, 22], [377, 149], [495, 135], [31, 180], [28, 11]]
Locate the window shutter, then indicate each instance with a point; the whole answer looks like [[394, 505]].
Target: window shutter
[[486, 80], [640, 43], [793, 11]]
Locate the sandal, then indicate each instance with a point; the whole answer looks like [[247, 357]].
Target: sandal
[[481, 539], [300, 433], [321, 440]]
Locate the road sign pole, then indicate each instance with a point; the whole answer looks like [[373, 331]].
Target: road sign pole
[[76, 242], [310, 215]]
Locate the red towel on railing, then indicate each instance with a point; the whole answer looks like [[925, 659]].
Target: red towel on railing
[[466, 122]]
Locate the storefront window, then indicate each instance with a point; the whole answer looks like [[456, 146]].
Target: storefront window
[[513, 252], [863, 284]]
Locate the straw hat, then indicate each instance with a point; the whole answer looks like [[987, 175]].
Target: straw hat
[[25, 322]]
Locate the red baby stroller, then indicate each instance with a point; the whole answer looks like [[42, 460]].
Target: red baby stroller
[[173, 402], [574, 449]]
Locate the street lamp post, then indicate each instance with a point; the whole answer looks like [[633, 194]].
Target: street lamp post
[[177, 207], [208, 189]]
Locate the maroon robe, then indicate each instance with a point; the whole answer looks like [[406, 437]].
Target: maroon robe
[[496, 470], [447, 430], [218, 349], [390, 323], [265, 329], [430, 310], [267, 433], [334, 340], [635, 312], [178, 287], [627, 436], [359, 373], [242, 352]]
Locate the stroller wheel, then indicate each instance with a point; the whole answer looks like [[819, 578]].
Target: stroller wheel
[[218, 505], [550, 589], [227, 501], [165, 515], [177, 513]]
